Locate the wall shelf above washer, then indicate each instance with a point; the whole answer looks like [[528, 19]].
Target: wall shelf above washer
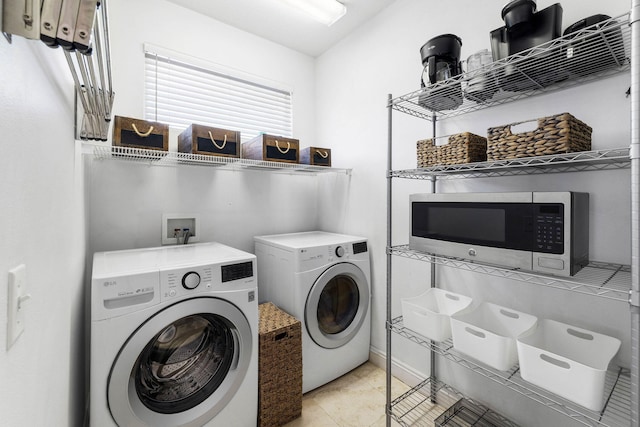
[[102, 151]]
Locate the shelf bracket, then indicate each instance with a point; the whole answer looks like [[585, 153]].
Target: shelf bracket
[[634, 298]]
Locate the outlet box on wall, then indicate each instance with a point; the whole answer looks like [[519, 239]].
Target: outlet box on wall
[[174, 226]]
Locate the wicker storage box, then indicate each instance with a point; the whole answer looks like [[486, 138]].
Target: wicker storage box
[[463, 147], [315, 156], [199, 139], [279, 367], [557, 134], [135, 133], [272, 148]]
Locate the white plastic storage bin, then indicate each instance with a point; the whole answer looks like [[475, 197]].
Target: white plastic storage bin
[[429, 313], [569, 361], [489, 332]]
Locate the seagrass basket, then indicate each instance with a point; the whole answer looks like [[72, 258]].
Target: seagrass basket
[[561, 133], [279, 367], [460, 148]]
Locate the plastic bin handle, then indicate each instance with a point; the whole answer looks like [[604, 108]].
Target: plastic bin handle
[[452, 297], [474, 332], [579, 334], [421, 313], [510, 314], [559, 363]]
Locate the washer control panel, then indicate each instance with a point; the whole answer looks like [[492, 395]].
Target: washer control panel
[[175, 283], [188, 281]]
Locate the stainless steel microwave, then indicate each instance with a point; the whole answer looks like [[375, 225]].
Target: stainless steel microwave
[[544, 232]]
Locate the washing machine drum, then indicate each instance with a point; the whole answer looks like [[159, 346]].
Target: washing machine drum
[[337, 305], [181, 370]]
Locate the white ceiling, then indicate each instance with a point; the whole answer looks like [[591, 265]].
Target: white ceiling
[[278, 22]]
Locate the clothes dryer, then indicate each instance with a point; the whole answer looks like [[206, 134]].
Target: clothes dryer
[[174, 337], [322, 279]]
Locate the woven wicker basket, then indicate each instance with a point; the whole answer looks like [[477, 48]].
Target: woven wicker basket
[[562, 133], [279, 367], [463, 147]]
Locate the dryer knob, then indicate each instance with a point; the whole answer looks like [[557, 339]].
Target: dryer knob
[[339, 251], [191, 280]]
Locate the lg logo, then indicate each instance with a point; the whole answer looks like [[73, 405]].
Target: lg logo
[[109, 283]]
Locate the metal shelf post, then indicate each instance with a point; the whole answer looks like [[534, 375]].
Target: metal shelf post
[[635, 212]]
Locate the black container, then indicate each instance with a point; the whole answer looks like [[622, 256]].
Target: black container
[[441, 60], [518, 14], [580, 56], [542, 27]]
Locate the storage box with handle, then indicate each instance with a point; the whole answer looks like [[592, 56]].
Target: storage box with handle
[[206, 140], [429, 314], [136, 133], [315, 156], [460, 148], [488, 333], [272, 148], [562, 133], [569, 361]]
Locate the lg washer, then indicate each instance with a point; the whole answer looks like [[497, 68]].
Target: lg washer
[[322, 279], [174, 337]]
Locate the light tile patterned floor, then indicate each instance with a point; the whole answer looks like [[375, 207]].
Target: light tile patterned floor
[[356, 399]]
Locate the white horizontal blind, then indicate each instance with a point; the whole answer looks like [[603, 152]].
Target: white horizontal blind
[[178, 93]]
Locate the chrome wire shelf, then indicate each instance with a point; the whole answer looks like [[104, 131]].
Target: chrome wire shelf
[[427, 401], [616, 412], [616, 158], [586, 55], [610, 281], [174, 159]]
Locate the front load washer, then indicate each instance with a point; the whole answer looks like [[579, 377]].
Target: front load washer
[[174, 337], [322, 279]]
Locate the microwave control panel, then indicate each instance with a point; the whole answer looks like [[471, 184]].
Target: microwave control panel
[[549, 228]]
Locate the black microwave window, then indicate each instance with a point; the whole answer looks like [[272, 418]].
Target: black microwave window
[[486, 224], [500, 225]]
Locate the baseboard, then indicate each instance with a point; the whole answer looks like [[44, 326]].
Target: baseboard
[[400, 370]]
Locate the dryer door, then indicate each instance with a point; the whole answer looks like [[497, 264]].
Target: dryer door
[[337, 305], [182, 366]]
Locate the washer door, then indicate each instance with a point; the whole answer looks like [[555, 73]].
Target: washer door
[[337, 305], [182, 366]]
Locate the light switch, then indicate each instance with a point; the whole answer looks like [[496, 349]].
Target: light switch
[[16, 300]]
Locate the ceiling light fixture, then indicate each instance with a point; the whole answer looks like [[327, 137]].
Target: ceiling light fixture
[[324, 11]]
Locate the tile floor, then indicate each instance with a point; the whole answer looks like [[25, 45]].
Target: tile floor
[[356, 399]]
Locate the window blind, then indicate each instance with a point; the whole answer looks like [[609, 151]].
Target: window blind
[[179, 93]]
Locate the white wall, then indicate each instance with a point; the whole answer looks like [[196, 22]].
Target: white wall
[[127, 201], [353, 80], [43, 223]]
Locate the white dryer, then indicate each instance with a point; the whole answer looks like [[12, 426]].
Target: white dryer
[[174, 337], [322, 279]]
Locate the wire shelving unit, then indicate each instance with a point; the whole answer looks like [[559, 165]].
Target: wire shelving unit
[[606, 49]]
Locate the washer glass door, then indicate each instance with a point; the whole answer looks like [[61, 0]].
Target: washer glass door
[[182, 366], [337, 305]]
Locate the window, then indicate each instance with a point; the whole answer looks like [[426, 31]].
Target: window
[[180, 92]]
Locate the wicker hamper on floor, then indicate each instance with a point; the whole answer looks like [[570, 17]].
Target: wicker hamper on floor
[[279, 367], [562, 133], [463, 147]]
